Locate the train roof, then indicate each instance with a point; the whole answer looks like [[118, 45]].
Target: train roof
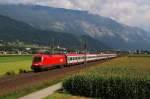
[[74, 54], [41, 54], [79, 54], [71, 54]]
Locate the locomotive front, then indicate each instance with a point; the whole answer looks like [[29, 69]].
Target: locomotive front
[[37, 62]]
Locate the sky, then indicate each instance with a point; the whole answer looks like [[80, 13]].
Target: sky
[[130, 12]]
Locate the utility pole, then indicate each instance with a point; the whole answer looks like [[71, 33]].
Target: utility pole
[[52, 46], [85, 52]]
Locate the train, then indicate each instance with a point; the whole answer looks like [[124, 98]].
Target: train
[[42, 61]]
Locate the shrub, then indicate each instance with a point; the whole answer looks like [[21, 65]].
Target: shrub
[[22, 71], [107, 87], [10, 73]]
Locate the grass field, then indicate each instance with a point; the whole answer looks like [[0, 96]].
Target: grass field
[[22, 92], [123, 67], [64, 96], [14, 63]]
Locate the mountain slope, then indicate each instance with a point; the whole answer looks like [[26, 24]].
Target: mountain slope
[[112, 33], [12, 31]]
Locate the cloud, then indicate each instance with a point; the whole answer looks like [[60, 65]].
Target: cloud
[[130, 12]]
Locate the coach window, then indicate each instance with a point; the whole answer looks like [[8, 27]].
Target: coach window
[[71, 58], [75, 58]]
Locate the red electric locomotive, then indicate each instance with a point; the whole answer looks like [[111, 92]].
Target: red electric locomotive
[[44, 61]]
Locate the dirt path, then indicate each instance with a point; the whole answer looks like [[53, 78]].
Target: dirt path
[[44, 92]]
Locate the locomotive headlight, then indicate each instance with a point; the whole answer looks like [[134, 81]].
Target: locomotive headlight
[[36, 64], [61, 60]]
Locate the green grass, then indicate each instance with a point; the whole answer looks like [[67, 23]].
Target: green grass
[[121, 75], [29, 89], [19, 93], [124, 66], [64, 96], [14, 63], [139, 55]]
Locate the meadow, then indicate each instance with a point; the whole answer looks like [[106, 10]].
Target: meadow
[[15, 63], [132, 67], [124, 76], [59, 95]]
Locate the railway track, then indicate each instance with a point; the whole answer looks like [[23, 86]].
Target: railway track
[[18, 82]]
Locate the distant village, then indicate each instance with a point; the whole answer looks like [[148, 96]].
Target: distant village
[[11, 50], [22, 49], [19, 48]]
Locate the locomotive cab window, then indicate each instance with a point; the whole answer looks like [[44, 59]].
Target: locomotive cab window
[[37, 59]]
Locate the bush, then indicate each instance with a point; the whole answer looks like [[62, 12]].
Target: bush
[[22, 71], [107, 87], [10, 73]]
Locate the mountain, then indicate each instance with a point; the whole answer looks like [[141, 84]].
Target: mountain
[[106, 30], [13, 31]]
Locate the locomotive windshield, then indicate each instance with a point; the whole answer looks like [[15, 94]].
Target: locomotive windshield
[[37, 59]]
